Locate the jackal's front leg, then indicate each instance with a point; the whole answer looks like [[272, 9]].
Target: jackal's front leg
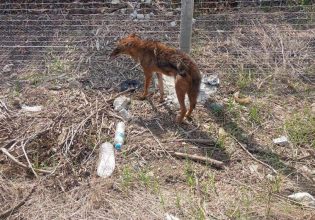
[[147, 82]]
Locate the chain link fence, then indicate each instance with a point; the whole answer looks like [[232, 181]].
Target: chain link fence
[[49, 39]]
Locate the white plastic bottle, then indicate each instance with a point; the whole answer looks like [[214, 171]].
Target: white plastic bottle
[[119, 135], [106, 162]]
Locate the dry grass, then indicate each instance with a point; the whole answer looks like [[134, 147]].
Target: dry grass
[[271, 66]]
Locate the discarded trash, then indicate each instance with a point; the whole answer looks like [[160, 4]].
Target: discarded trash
[[119, 135], [242, 101], [129, 84], [106, 162], [125, 114], [32, 108], [170, 217], [7, 68], [303, 197], [140, 16], [121, 103], [281, 140], [212, 80], [173, 23]]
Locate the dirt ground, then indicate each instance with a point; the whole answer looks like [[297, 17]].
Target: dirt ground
[[267, 55]]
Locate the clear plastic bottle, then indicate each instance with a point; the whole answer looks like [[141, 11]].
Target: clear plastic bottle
[[119, 135], [106, 161]]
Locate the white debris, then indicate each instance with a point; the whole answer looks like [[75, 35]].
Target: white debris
[[173, 23], [271, 178], [151, 14], [106, 161], [170, 217], [193, 20], [140, 16], [134, 14], [253, 168], [115, 2], [125, 114], [281, 140], [32, 108], [121, 103], [7, 68], [303, 197], [147, 16]]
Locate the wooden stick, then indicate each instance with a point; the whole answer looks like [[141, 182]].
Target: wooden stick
[[12, 210], [216, 163], [201, 141], [20, 163], [28, 160], [252, 156]]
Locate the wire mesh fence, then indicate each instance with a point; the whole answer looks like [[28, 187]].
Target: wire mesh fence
[[54, 37]]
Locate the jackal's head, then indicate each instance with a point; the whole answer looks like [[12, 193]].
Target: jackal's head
[[124, 45]]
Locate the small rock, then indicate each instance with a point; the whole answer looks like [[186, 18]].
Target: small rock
[[304, 198], [173, 23], [281, 140], [115, 2], [147, 17], [7, 68], [140, 16], [32, 108]]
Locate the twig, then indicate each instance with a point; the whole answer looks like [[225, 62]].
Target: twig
[[252, 156], [20, 163], [206, 160], [28, 160], [200, 141], [13, 209]]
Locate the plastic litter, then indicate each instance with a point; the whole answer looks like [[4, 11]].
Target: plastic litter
[[119, 135], [32, 108], [106, 162], [121, 103], [281, 140], [304, 198]]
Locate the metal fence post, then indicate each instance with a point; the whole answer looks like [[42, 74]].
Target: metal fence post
[[187, 10]]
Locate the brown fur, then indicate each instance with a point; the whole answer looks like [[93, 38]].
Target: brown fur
[[157, 57]]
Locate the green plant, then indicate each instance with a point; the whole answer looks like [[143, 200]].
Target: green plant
[[190, 174], [244, 79], [254, 114], [301, 128], [127, 177]]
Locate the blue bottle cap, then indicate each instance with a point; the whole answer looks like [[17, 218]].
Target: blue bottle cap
[[118, 146]]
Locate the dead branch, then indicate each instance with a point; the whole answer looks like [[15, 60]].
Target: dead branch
[[200, 141], [28, 160], [206, 160], [13, 209], [20, 163]]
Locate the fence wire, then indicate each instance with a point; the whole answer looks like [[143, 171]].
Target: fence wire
[[253, 35]]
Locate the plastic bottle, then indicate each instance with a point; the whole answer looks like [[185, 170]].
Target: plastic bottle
[[119, 135], [106, 162]]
